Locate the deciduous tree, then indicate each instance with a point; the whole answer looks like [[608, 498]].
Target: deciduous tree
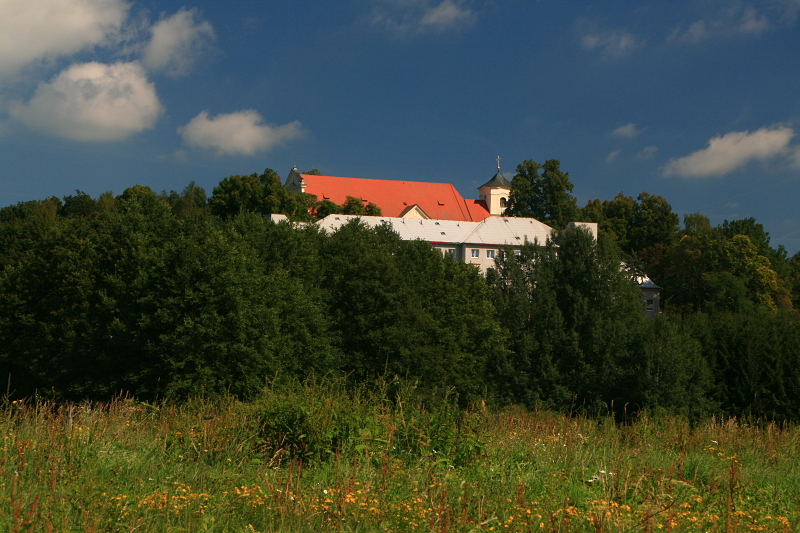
[[542, 192]]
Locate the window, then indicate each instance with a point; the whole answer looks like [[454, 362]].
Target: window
[[476, 252], [649, 305], [490, 254], [502, 202], [451, 252]]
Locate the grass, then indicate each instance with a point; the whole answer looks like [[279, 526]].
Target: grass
[[318, 458]]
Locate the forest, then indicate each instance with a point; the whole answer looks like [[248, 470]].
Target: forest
[[176, 294]]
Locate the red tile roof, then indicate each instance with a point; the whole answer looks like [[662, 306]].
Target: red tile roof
[[439, 200]]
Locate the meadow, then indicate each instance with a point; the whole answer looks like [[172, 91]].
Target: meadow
[[319, 457]]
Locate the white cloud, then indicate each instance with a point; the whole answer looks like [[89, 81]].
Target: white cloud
[[34, 30], [795, 157], [92, 102], [628, 131], [790, 10], [447, 14], [610, 158], [178, 42], [414, 16], [728, 24], [647, 152], [752, 22], [243, 132], [731, 151], [611, 43]]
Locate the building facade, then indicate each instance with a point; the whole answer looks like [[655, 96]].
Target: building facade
[[472, 231]]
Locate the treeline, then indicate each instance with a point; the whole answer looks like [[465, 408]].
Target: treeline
[[177, 294], [155, 295], [264, 193], [731, 267]]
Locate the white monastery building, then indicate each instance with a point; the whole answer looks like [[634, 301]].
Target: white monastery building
[[473, 231]]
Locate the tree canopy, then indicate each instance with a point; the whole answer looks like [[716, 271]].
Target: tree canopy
[[173, 294], [542, 192]]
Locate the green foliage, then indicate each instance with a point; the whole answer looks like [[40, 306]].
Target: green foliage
[[726, 292], [169, 295], [542, 192], [140, 300], [192, 201], [311, 421], [635, 225], [79, 205], [575, 322], [671, 372], [237, 194], [793, 280], [754, 359], [696, 222], [203, 466], [712, 269], [372, 210], [325, 208], [263, 194], [353, 206], [402, 308], [321, 419]]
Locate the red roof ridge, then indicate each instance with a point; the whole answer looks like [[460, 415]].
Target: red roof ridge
[[438, 200]]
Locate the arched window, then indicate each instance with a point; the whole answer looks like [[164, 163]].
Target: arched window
[[502, 202]]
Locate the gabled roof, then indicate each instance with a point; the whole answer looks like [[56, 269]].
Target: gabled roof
[[439, 201], [509, 231], [644, 281], [498, 180], [492, 231], [414, 211], [478, 209], [409, 229]]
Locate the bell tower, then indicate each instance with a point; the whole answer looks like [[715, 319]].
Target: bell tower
[[495, 192]]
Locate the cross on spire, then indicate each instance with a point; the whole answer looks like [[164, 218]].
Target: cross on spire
[[498, 163]]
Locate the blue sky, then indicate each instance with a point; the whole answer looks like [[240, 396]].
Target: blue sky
[[696, 101]]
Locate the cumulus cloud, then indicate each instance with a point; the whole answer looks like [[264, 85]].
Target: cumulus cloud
[[178, 42], [795, 157], [611, 43], [35, 30], [628, 131], [242, 132], [731, 151], [410, 16], [92, 102], [728, 24], [447, 14], [647, 152], [790, 10], [610, 158]]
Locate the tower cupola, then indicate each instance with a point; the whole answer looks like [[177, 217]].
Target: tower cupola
[[495, 192]]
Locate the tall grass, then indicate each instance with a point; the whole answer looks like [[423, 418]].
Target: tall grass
[[318, 457]]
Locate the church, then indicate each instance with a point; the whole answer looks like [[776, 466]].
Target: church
[[473, 231], [407, 199]]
